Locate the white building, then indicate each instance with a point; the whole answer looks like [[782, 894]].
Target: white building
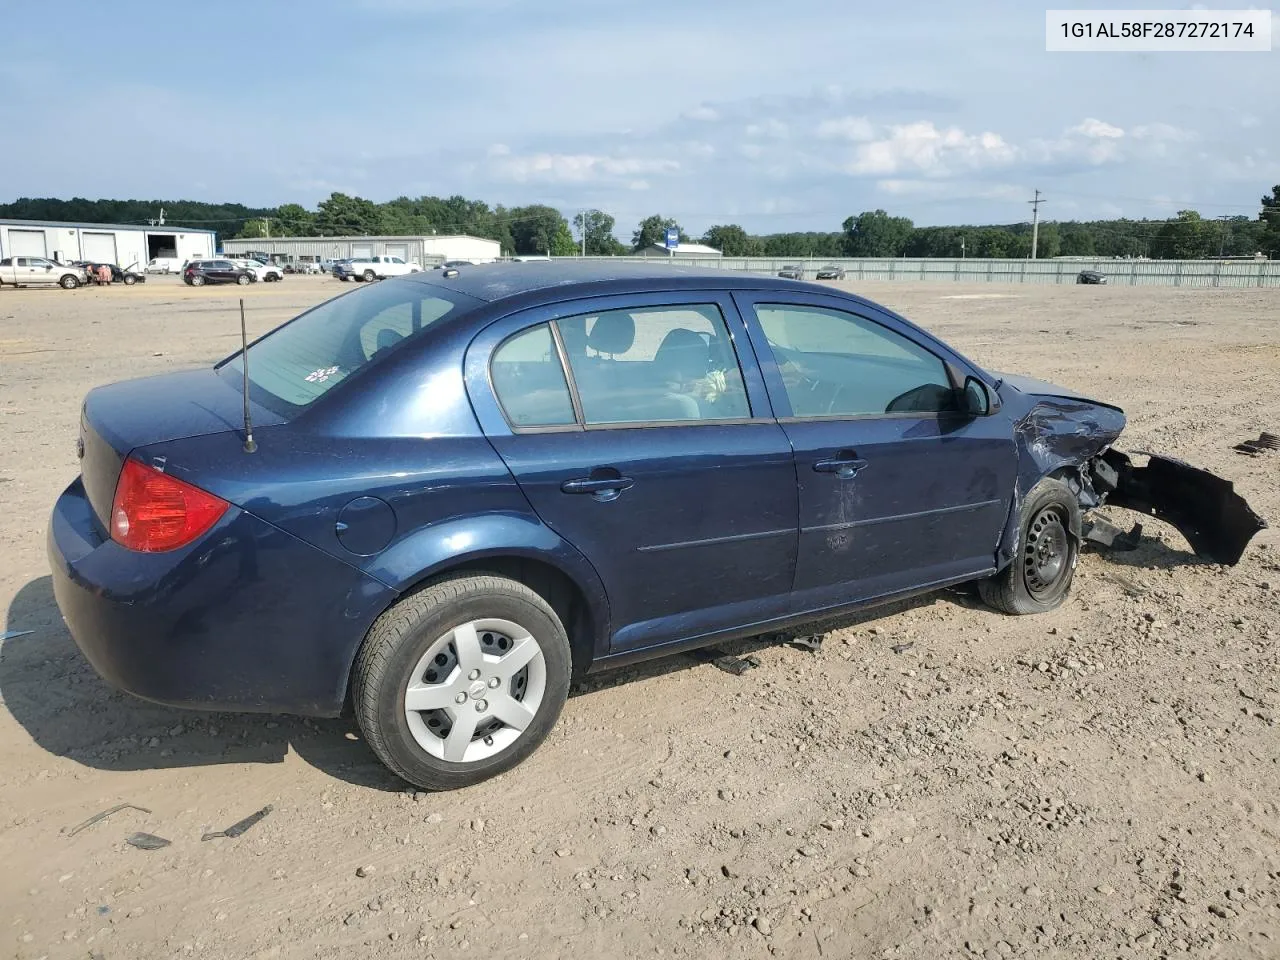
[[117, 243], [425, 250], [679, 250]]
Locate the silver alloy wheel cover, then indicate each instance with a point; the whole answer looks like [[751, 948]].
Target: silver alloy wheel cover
[[486, 699]]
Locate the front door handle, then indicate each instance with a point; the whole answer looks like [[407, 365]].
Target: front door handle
[[845, 465]]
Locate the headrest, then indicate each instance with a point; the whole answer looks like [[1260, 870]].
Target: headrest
[[612, 333]]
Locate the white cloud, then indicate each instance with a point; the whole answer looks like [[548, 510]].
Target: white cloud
[[1163, 132], [576, 168], [923, 148], [847, 128], [702, 112], [751, 150], [499, 150], [771, 128], [1097, 130]]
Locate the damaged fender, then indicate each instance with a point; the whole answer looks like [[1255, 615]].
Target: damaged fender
[[1205, 508], [1068, 437]]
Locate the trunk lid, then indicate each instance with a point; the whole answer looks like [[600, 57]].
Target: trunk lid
[[123, 416]]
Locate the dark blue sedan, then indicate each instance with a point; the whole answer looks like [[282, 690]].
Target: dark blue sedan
[[469, 487]]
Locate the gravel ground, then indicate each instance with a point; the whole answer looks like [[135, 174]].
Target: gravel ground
[[936, 781]]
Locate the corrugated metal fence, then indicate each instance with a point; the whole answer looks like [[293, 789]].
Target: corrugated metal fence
[[1169, 273]]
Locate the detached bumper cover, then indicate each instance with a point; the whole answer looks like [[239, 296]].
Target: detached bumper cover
[[1216, 520]]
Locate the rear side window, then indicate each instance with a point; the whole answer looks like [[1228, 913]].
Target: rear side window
[[654, 364], [529, 381], [296, 364]]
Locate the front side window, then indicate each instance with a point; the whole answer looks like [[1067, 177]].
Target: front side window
[[837, 364], [529, 380], [296, 364], [665, 363]]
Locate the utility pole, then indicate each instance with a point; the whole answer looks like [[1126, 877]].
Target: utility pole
[[584, 233], [162, 216], [266, 226], [1222, 236], [1035, 223], [962, 248]]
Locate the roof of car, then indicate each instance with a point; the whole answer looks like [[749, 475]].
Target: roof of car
[[502, 281]]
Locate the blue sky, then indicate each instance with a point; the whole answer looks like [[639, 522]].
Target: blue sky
[[778, 116]]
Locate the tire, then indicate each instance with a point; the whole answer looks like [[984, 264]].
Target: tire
[[397, 656], [197, 281], [370, 276], [1039, 578], [130, 281], [243, 280], [68, 282]]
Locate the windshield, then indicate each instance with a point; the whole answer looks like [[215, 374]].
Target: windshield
[[296, 364]]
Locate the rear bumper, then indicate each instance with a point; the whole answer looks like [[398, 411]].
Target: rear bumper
[[248, 618]]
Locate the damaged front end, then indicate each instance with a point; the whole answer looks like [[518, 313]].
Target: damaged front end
[[1068, 437], [1216, 520]]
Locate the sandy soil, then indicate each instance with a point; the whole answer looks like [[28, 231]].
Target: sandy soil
[[1101, 781]]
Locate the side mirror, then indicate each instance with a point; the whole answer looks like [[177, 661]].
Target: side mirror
[[976, 399]]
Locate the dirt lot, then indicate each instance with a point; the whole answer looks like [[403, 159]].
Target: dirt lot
[[1101, 781]]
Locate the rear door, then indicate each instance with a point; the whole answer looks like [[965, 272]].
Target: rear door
[[657, 457], [897, 489]]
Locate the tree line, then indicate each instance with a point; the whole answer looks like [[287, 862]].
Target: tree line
[[541, 229]]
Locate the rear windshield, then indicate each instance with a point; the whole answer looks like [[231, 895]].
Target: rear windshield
[[296, 364]]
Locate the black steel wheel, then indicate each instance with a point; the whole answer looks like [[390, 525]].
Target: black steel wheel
[[1039, 578]]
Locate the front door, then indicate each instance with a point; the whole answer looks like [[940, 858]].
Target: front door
[[657, 458], [898, 488]]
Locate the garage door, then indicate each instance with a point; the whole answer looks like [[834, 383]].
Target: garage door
[[98, 247], [362, 251], [26, 243], [400, 250]]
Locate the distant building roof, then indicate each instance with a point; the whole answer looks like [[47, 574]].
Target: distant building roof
[[85, 225], [679, 250]]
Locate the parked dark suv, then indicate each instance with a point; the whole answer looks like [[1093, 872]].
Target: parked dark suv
[[467, 487], [199, 272]]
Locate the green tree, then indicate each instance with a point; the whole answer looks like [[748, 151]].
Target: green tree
[[538, 229], [874, 233], [599, 232], [733, 241], [1187, 238], [342, 215], [653, 230], [1269, 238]]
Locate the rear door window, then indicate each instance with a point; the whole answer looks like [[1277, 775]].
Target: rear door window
[[529, 381], [296, 364], [654, 364]]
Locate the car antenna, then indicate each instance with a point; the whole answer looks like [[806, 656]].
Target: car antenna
[[249, 444]]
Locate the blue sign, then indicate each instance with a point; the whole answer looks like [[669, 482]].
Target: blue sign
[[673, 238]]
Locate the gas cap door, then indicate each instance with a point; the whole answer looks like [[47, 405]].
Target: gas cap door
[[365, 526]]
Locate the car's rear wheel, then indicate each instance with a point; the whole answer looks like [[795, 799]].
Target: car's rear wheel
[[196, 280], [370, 276], [461, 681], [69, 282], [1039, 578]]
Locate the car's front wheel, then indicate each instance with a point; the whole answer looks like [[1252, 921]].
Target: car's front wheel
[[243, 280], [130, 280], [69, 282], [461, 680], [1039, 578]]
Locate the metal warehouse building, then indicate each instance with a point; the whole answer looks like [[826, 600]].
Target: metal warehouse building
[[102, 242], [425, 250]]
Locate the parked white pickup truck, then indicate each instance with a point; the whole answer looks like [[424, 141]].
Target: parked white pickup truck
[[33, 271], [374, 268]]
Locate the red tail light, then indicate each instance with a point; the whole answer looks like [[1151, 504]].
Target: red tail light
[[153, 511]]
